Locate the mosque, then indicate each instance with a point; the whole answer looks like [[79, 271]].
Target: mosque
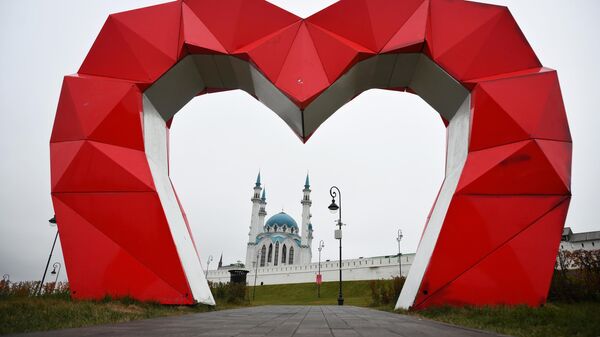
[[280, 252], [279, 241]]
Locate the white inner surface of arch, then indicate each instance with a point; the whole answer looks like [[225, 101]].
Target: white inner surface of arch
[[196, 72]]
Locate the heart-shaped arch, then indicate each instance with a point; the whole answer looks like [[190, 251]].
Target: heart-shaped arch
[[494, 230]]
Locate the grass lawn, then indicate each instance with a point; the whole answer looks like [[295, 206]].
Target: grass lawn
[[22, 314], [551, 320], [26, 314], [355, 293]]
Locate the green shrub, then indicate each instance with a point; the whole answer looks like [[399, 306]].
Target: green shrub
[[385, 292], [234, 293], [576, 276], [30, 288], [374, 287]]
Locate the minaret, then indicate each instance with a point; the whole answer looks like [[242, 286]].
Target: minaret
[[306, 255], [255, 226], [262, 212]]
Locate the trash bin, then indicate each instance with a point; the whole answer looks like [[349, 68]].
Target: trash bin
[[238, 276]]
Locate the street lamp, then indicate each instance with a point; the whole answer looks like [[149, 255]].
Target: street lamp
[[52, 223], [255, 275], [55, 272], [338, 233], [319, 277], [210, 258], [399, 253]]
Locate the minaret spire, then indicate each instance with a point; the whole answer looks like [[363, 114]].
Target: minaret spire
[[258, 180], [258, 205], [305, 235]]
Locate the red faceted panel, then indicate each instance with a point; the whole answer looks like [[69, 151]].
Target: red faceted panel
[[302, 76], [198, 38], [99, 265], [128, 47], [92, 166], [518, 272], [136, 223], [517, 108], [98, 108], [491, 237], [336, 54], [472, 40], [410, 37], [270, 53], [476, 226], [372, 24], [527, 167], [237, 23]]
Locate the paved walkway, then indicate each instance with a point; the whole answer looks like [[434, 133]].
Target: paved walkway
[[278, 321]]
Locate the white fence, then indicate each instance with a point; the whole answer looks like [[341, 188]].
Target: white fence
[[372, 268]]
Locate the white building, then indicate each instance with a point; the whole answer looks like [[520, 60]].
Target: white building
[[279, 241], [579, 241], [280, 252]]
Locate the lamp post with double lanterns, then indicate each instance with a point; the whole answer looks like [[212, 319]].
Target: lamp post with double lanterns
[[52, 223], [335, 192], [56, 272], [319, 277], [255, 275], [398, 238], [208, 261]]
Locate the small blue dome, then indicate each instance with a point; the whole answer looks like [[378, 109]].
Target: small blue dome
[[281, 219]]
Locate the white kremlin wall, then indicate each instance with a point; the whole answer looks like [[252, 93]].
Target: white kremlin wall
[[371, 268]]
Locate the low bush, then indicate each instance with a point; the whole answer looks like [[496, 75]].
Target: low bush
[[234, 293], [576, 276], [30, 288], [385, 292]]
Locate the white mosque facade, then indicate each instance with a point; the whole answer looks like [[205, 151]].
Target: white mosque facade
[[278, 241], [279, 251]]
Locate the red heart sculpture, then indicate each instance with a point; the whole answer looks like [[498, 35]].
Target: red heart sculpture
[[493, 233]]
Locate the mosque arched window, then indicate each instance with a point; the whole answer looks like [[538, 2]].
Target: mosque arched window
[[263, 253], [276, 260], [283, 253], [291, 259], [269, 257]]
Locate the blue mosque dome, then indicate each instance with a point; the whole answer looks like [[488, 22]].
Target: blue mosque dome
[[281, 219]]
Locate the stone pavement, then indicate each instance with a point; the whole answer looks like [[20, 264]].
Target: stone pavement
[[278, 321]]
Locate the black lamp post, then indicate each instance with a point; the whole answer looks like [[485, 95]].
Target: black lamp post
[[56, 266], [255, 275], [321, 245], [334, 208], [52, 223], [398, 238], [210, 258]]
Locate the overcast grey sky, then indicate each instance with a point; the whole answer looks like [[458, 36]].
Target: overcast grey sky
[[385, 150]]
